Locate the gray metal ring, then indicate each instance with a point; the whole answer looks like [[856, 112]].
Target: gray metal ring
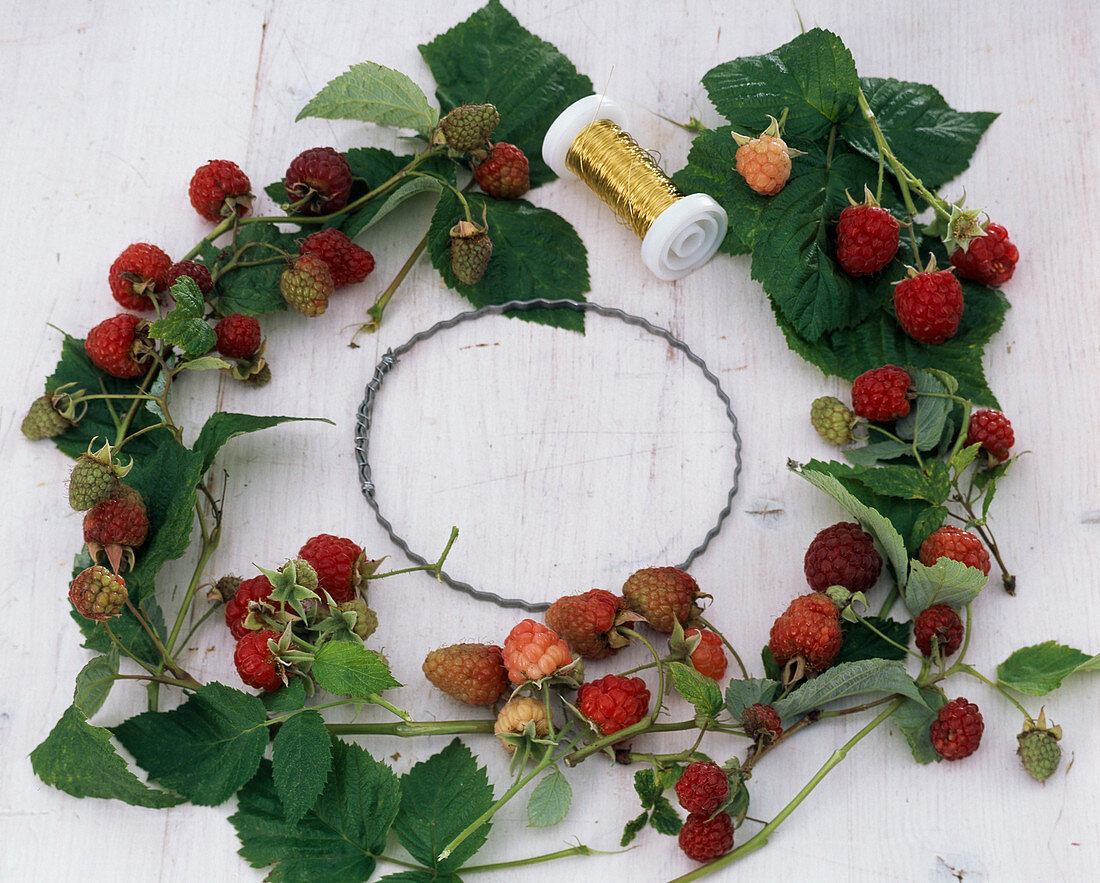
[[389, 359]]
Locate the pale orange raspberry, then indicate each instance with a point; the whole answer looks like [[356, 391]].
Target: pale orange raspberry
[[532, 651], [765, 164]]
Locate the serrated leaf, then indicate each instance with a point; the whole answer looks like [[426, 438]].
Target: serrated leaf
[[1041, 668], [739, 806], [664, 819], [924, 423], [630, 831], [536, 254], [849, 679], [929, 520], [376, 166], [347, 668], [645, 783], [873, 521], [254, 290], [870, 455], [204, 363], [288, 698], [771, 669], [701, 691], [185, 326], [909, 482], [491, 58], [550, 801], [945, 582], [338, 838], [741, 694], [206, 749], [965, 456], [813, 77], [94, 682], [221, 426], [301, 757], [933, 141], [80, 760], [373, 94], [440, 797], [860, 642], [914, 718]]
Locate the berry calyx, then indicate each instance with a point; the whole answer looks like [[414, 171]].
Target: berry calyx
[[989, 259], [256, 664], [97, 593], [833, 420], [348, 263], [138, 275], [250, 592], [470, 249], [585, 622], [340, 563], [307, 285], [471, 673], [942, 623], [867, 237], [709, 657], [95, 478], [220, 189], [532, 652], [238, 336], [808, 629], [704, 839], [842, 554], [318, 181], [993, 431], [957, 730], [663, 595], [49, 415], [929, 304], [702, 787], [613, 703], [505, 174], [1038, 748], [120, 347], [881, 394], [958, 545]]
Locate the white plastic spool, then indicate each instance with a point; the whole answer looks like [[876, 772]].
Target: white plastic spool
[[684, 236]]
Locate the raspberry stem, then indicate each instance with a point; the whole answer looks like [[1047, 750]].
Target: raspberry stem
[[409, 729], [375, 312], [579, 849], [1007, 578], [974, 673]]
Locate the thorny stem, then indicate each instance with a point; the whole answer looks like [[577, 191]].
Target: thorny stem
[[810, 718], [761, 836], [160, 679], [729, 646], [209, 544], [974, 673], [114, 640], [375, 312], [436, 567], [840, 712], [579, 849], [409, 729], [165, 653]]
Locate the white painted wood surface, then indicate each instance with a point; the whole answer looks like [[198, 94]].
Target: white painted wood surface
[[566, 462]]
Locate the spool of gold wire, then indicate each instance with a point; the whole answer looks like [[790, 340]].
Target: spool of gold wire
[[679, 233]]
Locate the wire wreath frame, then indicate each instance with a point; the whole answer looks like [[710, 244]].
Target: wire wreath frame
[[365, 416]]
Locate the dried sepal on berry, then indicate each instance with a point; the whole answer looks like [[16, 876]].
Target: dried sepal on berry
[[1038, 749], [52, 414], [470, 249], [522, 719], [95, 477]]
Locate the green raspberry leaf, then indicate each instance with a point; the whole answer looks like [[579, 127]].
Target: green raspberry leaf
[[439, 798], [698, 689], [859, 642], [664, 818], [80, 760], [964, 457], [933, 141], [206, 749], [347, 668], [536, 254], [338, 839], [550, 800], [645, 783], [1041, 668], [94, 682], [752, 691], [945, 582], [185, 326], [288, 698], [913, 720], [849, 679], [254, 290], [492, 59], [924, 423], [813, 77], [221, 426], [376, 166], [374, 94], [908, 482], [301, 757], [633, 827], [771, 668]]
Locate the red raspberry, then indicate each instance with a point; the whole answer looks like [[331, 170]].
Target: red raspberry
[[321, 177], [613, 703], [532, 651], [255, 662], [866, 239], [220, 188], [138, 274], [810, 628], [347, 262], [505, 174], [765, 164], [111, 346], [236, 608], [238, 336], [471, 673], [307, 285], [958, 545], [929, 305], [339, 562], [842, 554], [943, 622], [585, 621], [989, 259], [762, 722], [957, 730], [709, 658], [120, 520], [97, 593], [704, 839], [993, 431], [198, 272], [663, 595], [702, 787], [879, 395]]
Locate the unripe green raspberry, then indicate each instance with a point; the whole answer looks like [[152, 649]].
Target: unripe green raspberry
[[44, 420], [366, 620], [97, 593], [307, 285], [1039, 753], [833, 420], [471, 249], [468, 127]]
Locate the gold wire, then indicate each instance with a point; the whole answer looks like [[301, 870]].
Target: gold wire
[[622, 174]]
